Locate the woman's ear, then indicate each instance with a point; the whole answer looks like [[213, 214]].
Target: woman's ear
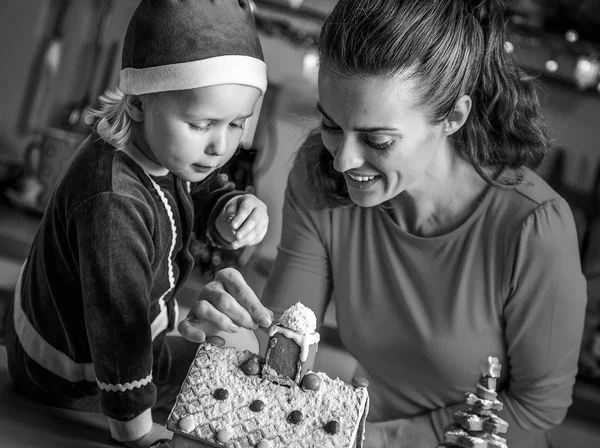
[[135, 110], [458, 116]]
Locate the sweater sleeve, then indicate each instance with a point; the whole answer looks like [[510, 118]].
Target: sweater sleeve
[[112, 234], [544, 316], [301, 272], [209, 197]]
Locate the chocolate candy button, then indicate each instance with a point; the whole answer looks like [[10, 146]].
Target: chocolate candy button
[[221, 394], [311, 381], [359, 381], [251, 366], [332, 427], [186, 424], [295, 417], [257, 406]]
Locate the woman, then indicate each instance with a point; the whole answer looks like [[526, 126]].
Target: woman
[[417, 210]]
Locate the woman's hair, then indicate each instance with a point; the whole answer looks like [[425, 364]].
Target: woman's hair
[[449, 48]]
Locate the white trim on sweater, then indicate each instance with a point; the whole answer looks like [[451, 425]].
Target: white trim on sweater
[[53, 360]]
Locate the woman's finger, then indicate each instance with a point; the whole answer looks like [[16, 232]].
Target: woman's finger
[[237, 287]]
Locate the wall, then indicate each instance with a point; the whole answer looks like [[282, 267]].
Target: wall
[[574, 117]]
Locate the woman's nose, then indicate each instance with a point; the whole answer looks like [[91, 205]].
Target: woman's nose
[[347, 156]]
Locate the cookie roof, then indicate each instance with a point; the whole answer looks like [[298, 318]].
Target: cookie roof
[[290, 417]]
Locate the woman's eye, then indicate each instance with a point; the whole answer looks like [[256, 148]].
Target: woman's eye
[[326, 127], [379, 144]]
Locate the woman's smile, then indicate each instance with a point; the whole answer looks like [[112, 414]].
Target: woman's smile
[[360, 182]]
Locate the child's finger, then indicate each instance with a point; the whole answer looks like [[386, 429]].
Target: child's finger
[[244, 210], [248, 226]]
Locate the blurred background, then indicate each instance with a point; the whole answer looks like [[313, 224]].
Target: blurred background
[[59, 55]]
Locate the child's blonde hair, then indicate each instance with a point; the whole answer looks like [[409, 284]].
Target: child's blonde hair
[[112, 117]]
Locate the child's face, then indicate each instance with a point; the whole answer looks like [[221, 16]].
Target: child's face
[[194, 132]]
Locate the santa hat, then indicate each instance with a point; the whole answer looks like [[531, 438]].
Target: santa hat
[[185, 44]]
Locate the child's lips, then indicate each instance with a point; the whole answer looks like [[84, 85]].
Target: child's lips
[[202, 168]]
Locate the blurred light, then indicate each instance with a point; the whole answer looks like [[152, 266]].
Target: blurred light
[[586, 72], [310, 66], [551, 65], [509, 47], [572, 36]]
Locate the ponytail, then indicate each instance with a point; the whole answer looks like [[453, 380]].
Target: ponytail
[[505, 128]]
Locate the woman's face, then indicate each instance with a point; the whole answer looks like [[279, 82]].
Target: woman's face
[[379, 137]]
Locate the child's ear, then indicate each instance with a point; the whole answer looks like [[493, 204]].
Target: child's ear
[[135, 110], [458, 116]]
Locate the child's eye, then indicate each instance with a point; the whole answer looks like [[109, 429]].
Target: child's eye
[[200, 127], [238, 124]]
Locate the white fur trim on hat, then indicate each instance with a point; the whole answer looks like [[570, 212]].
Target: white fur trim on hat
[[228, 69]]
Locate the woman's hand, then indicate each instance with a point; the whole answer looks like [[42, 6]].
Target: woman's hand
[[225, 304], [243, 221]]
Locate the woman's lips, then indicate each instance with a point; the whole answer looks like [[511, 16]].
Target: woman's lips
[[362, 181]]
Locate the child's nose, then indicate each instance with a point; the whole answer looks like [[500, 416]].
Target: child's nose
[[217, 146]]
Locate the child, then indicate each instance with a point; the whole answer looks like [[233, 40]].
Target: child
[[87, 330]]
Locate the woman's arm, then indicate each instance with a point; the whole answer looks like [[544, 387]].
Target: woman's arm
[[301, 272]]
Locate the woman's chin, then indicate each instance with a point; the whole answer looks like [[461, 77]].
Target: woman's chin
[[366, 200]]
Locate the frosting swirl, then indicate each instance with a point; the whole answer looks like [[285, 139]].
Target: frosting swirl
[[299, 318]]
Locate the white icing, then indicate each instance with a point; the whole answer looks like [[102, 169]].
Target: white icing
[[485, 389], [490, 366], [299, 318], [303, 340]]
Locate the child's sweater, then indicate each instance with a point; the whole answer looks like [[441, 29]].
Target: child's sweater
[[97, 293]]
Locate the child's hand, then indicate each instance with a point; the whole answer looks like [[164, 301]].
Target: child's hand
[[158, 437], [243, 221]]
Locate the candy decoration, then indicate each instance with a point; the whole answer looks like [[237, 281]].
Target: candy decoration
[[478, 427], [257, 406], [221, 394], [264, 444], [332, 427], [359, 381], [311, 381], [223, 435], [251, 366], [186, 424], [295, 417]]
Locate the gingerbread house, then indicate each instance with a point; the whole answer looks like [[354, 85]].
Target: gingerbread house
[[236, 399]]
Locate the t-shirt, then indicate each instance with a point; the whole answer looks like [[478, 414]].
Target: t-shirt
[[419, 313]]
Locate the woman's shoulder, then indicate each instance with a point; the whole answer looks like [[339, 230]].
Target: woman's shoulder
[[534, 199]]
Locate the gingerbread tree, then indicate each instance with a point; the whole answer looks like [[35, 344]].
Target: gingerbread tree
[[478, 427]]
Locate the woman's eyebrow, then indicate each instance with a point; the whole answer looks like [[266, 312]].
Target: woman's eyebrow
[[320, 109], [360, 129]]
